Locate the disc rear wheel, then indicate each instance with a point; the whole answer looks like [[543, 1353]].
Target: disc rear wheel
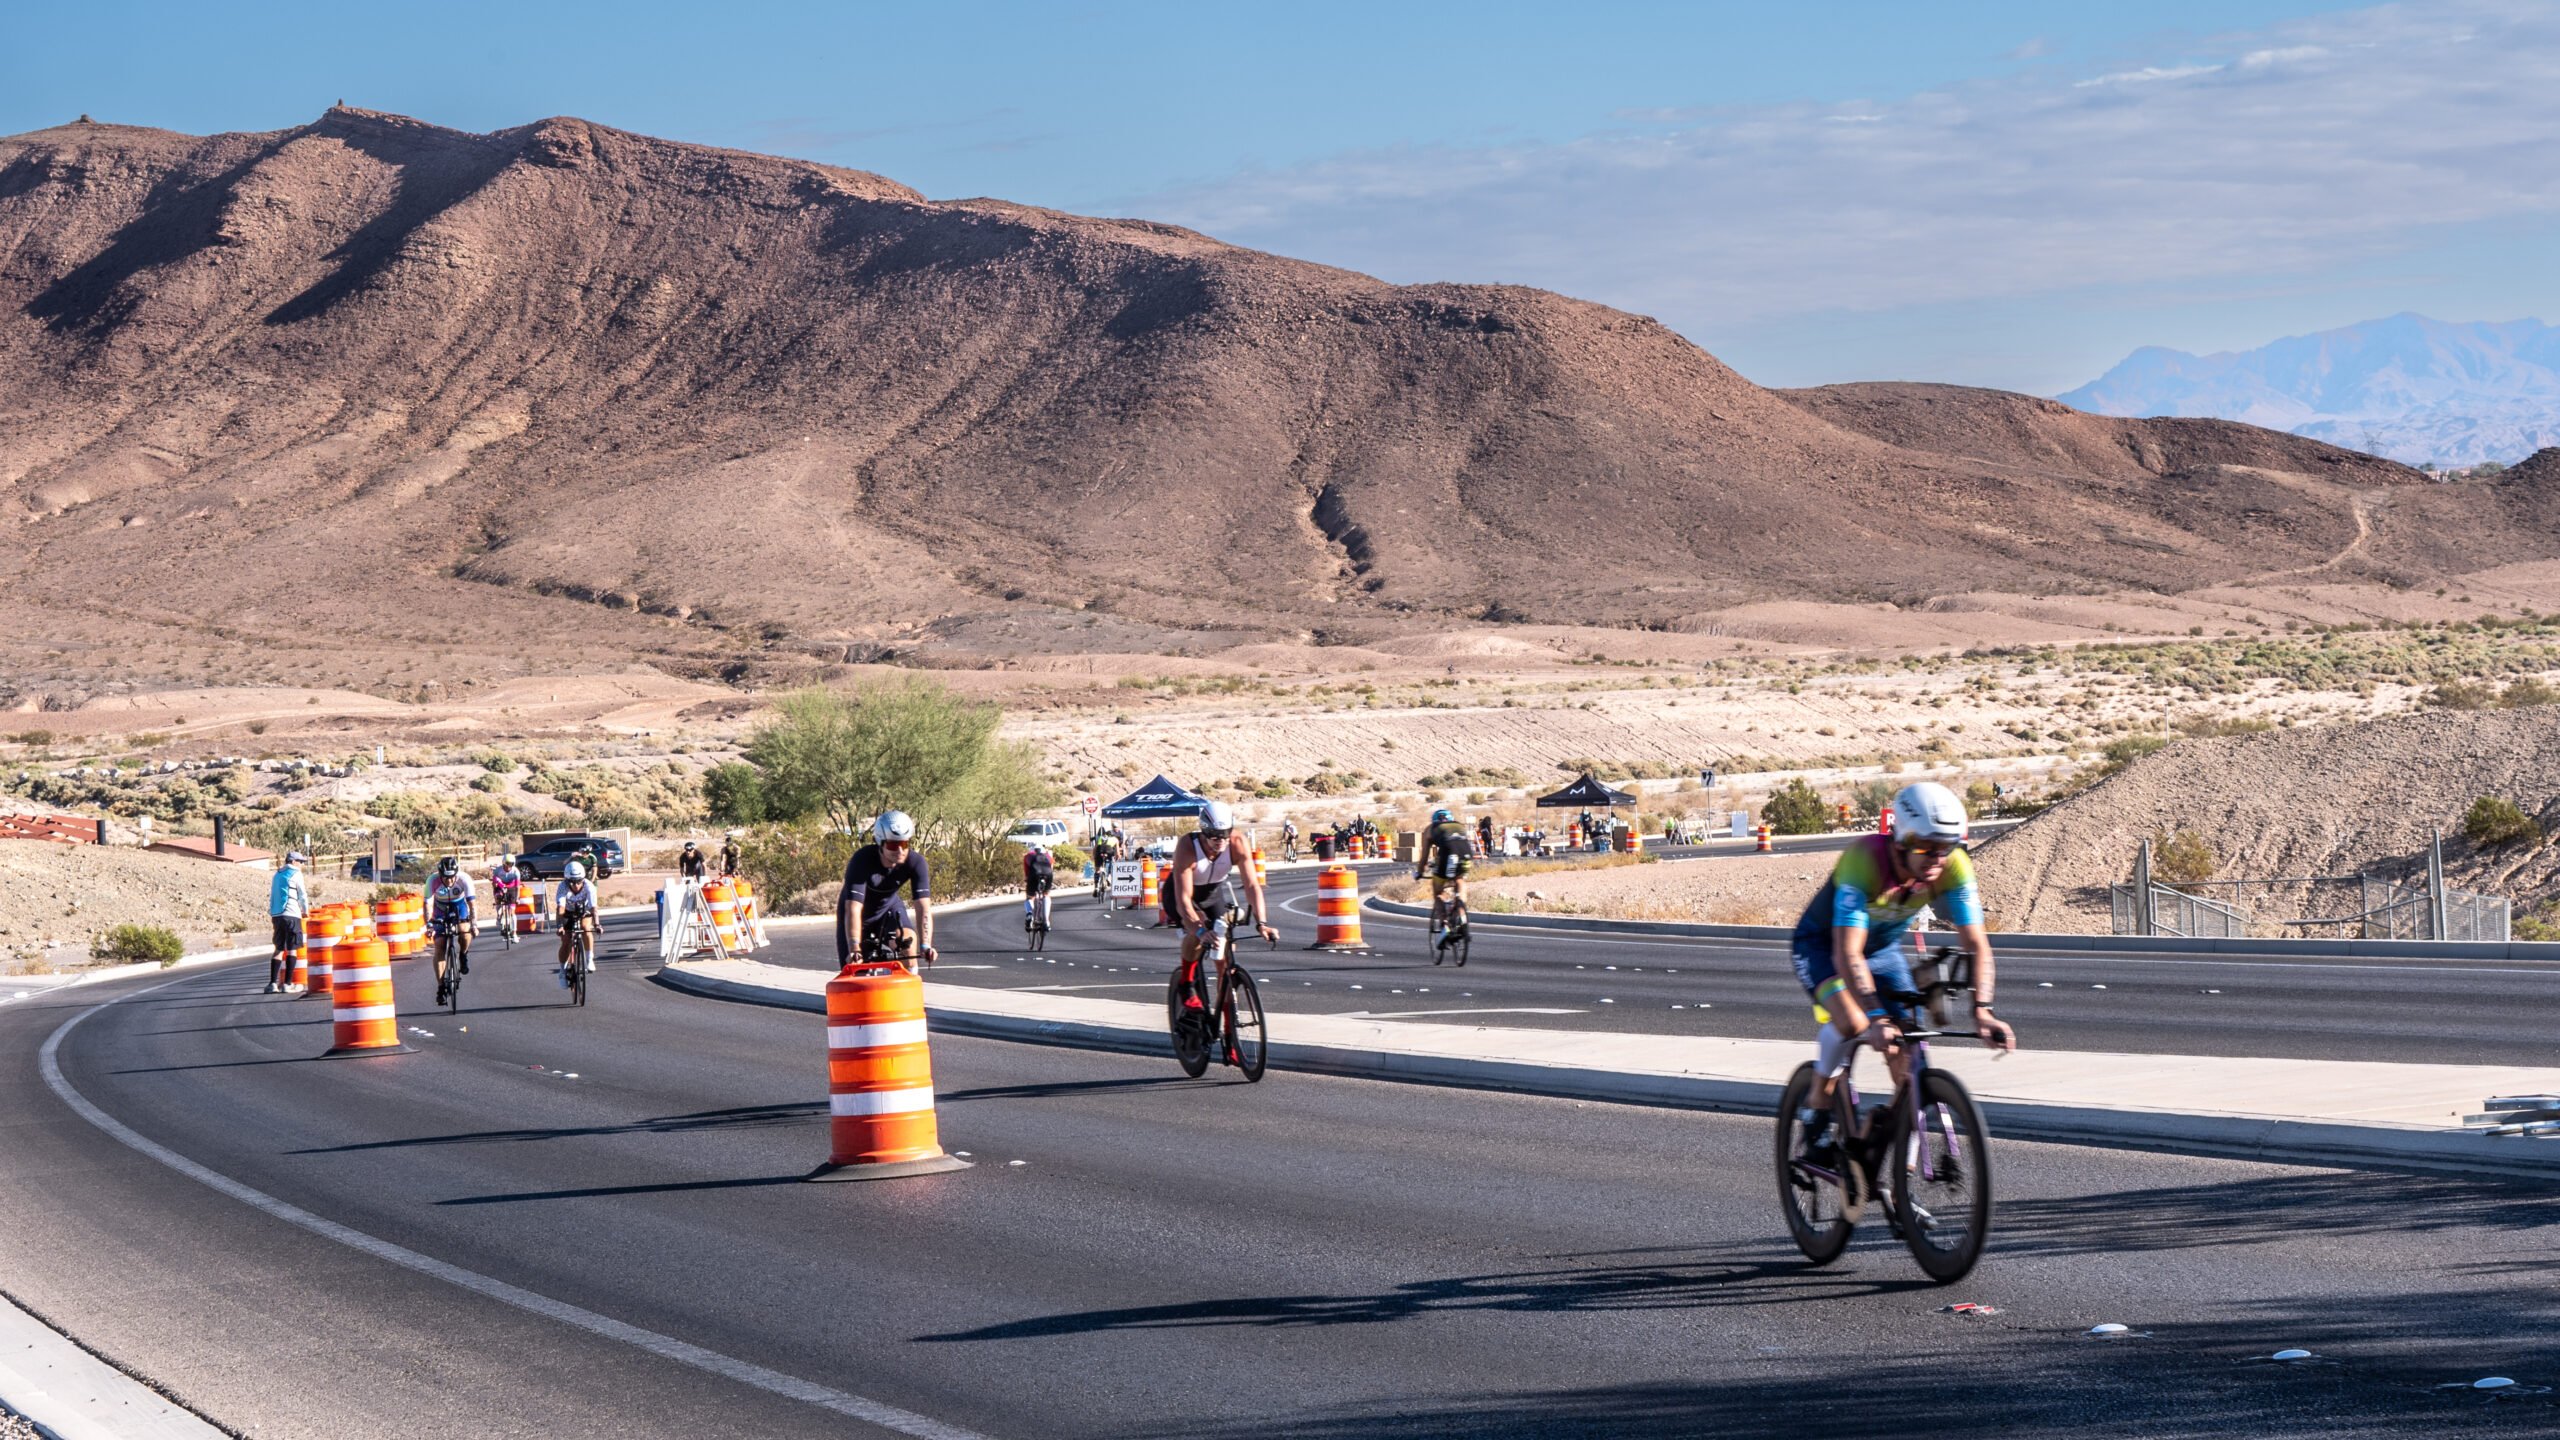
[[1190, 1026], [1822, 1204]]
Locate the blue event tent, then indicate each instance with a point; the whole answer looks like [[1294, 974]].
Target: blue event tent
[[1158, 799]]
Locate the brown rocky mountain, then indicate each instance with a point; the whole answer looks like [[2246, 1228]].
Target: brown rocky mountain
[[369, 382]]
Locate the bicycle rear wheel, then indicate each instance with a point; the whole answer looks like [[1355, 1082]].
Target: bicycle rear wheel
[[1822, 1207], [1248, 1038], [1191, 1033], [1941, 1185]]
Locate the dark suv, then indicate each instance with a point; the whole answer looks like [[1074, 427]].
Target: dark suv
[[553, 858]]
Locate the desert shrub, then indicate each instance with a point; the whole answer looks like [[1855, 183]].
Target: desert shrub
[[1795, 809], [1868, 801], [2462, 695], [2494, 821], [2529, 691], [785, 859], [131, 943], [2182, 858], [733, 793], [489, 784], [497, 762], [663, 797], [33, 737], [2120, 753], [2207, 726]]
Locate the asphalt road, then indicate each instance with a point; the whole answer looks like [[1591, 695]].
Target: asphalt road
[[1308, 1256], [2439, 1012]]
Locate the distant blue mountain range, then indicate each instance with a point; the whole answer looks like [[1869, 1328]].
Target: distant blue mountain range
[[2410, 388]]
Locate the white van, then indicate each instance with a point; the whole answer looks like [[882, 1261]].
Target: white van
[[1051, 833]]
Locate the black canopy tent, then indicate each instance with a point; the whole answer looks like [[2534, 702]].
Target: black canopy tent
[[1158, 799], [1582, 794]]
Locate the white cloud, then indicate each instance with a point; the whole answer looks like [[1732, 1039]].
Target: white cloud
[[2146, 75], [2320, 143]]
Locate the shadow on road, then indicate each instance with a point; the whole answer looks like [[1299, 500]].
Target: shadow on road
[[738, 1118], [2282, 1207], [1053, 1089]]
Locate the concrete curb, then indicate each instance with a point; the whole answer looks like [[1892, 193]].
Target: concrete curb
[[70, 1394], [2022, 940], [2261, 1138]]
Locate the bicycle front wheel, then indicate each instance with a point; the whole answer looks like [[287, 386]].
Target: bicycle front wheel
[[1822, 1205], [1190, 1028], [1941, 1180], [579, 951], [1248, 1038], [452, 977]]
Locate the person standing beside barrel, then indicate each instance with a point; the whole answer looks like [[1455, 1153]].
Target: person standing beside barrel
[[288, 900], [868, 905]]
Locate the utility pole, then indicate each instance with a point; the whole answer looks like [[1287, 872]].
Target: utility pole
[[2145, 921], [2435, 888]]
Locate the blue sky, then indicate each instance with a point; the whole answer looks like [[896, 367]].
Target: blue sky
[[1992, 193]]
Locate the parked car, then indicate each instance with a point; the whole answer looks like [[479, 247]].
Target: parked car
[[406, 865], [548, 862], [1052, 833]]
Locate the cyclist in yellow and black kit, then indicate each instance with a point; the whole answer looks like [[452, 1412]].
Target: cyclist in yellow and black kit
[[1448, 853]]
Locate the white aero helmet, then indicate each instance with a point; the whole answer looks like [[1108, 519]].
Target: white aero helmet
[[1929, 811], [894, 825], [573, 871], [1217, 817]]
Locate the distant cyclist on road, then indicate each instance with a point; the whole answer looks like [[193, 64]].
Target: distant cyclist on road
[[288, 901], [1849, 940], [449, 917], [692, 864], [730, 855], [1448, 853], [869, 904], [573, 908], [1198, 886], [1288, 839], [1039, 877], [506, 885]]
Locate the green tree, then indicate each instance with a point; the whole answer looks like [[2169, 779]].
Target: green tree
[[733, 792], [911, 746], [1795, 809]]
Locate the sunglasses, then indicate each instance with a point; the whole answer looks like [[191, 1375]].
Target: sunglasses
[[1934, 849]]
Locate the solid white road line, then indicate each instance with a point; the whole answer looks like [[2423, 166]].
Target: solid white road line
[[873, 1412], [1434, 1014]]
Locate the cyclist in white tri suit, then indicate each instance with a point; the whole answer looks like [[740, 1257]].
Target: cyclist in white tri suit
[[1196, 884]]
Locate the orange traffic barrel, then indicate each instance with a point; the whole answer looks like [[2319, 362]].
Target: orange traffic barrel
[[1146, 882], [322, 929], [1573, 835], [1261, 876], [750, 914], [880, 1079], [723, 905], [1337, 908], [413, 923], [1763, 833], [526, 920], [1844, 815], [1634, 841], [367, 1020]]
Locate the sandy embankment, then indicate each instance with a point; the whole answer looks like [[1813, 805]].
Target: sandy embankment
[[54, 899], [1723, 889]]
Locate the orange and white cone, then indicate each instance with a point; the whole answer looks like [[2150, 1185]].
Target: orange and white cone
[[366, 1019], [881, 1122], [323, 931], [1337, 909], [1763, 834], [1146, 882]]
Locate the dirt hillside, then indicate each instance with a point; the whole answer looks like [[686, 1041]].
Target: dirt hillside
[[2331, 799], [365, 394], [54, 899]]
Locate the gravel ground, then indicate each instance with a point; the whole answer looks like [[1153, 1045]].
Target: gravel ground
[[2336, 799], [14, 1426], [55, 898]]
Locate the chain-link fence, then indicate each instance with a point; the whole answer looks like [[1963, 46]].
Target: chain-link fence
[[2367, 907], [2405, 910], [2175, 912]]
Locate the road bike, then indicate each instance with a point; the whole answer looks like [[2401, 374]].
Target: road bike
[[1451, 935], [1035, 919], [1237, 1033], [502, 909], [1928, 1149], [888, 945], [453, 961], [582, 954], [1102, 881]]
